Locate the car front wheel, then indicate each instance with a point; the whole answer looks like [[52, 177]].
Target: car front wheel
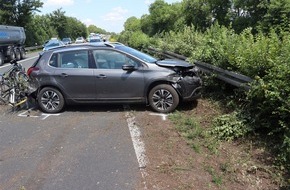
[[50, 100], [163, 98]]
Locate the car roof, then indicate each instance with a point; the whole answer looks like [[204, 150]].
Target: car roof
[[84, 46]]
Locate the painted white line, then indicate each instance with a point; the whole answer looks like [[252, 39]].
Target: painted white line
[[24, 114], [27, 59], [164, 116], [47, 115], [43, 115], [138, 145]]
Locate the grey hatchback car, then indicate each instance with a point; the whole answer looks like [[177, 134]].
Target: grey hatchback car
[[111, 73]]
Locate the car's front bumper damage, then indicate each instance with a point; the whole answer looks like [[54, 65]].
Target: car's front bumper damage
[[188, 84], [189, 87]]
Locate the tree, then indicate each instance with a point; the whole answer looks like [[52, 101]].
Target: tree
[[244, 14], [95, 29], [59, 22], [162, 18], [75, 28], [17, 12], [203, 13], [39, 30], [132, 24], [198, 13], [277, 16], [67, 26]]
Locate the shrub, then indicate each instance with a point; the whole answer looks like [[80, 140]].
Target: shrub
[[263, 57], [229, 127]]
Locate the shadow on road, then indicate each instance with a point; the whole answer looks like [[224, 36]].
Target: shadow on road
[[186, 106]]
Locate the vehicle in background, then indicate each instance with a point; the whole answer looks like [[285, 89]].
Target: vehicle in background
[[94, 39], [12, 39], [52, 44], [80, 40], [66, 41], [111, 73]]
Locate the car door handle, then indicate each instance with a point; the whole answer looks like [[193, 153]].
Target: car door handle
[[101, 76], [64, 75]]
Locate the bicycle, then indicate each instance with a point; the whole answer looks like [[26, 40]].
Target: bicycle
[[14, 85]]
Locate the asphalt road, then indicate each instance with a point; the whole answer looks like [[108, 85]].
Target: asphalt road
[[84, 147], [26, 63]]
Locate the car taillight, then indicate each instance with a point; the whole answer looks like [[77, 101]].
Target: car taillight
[[31, 69]]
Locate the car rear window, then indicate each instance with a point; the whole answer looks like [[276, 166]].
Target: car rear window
[[74, 59]]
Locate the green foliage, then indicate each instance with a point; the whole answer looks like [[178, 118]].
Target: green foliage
[[229, 127], [162, 18], [132, 24], [189, 128], [67, 26], [18, 13], [95, 29], [136, 39], [39, 30], [202, 14], [264, 57]]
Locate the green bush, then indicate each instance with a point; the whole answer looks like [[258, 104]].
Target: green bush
[[229, 127], [136, 39], [265, 58]]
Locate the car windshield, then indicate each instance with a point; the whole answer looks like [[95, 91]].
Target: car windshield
[[66, 39], [136, 53], [95, 40], [53, 43]]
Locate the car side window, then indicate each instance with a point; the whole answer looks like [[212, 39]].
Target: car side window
[[74, 59], [108, 59], [53, 60]]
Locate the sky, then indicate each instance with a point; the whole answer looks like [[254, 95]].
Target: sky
[[109, 15]]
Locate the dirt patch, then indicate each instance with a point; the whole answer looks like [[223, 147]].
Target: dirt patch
[[174, 164]]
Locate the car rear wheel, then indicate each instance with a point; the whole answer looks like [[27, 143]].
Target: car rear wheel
[[163, 98], [50, 100]]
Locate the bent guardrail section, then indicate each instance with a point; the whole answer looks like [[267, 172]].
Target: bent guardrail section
[[229, 77]]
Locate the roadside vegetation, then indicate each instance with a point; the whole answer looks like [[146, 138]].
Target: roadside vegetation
[[248, 37], [251, 38]]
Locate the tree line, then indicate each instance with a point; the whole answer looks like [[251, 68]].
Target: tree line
[[40, 28], [248, 37], [259, 15]]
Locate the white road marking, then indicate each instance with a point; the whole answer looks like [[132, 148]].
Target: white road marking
[[164, 116], [24, 114], [43, 115], [47, 115], [138, 145]]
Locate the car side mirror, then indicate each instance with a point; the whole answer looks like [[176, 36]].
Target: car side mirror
[[128, 67]]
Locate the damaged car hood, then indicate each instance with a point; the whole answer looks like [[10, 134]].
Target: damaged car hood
[[174, 63]]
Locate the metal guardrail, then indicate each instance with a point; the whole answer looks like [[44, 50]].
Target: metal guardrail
[[229, 77], [33, 48]]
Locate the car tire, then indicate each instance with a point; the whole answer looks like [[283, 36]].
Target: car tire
[[12, 55], [1, 59], [22, 53], [17, 54], [163, 98], [50, 100]]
